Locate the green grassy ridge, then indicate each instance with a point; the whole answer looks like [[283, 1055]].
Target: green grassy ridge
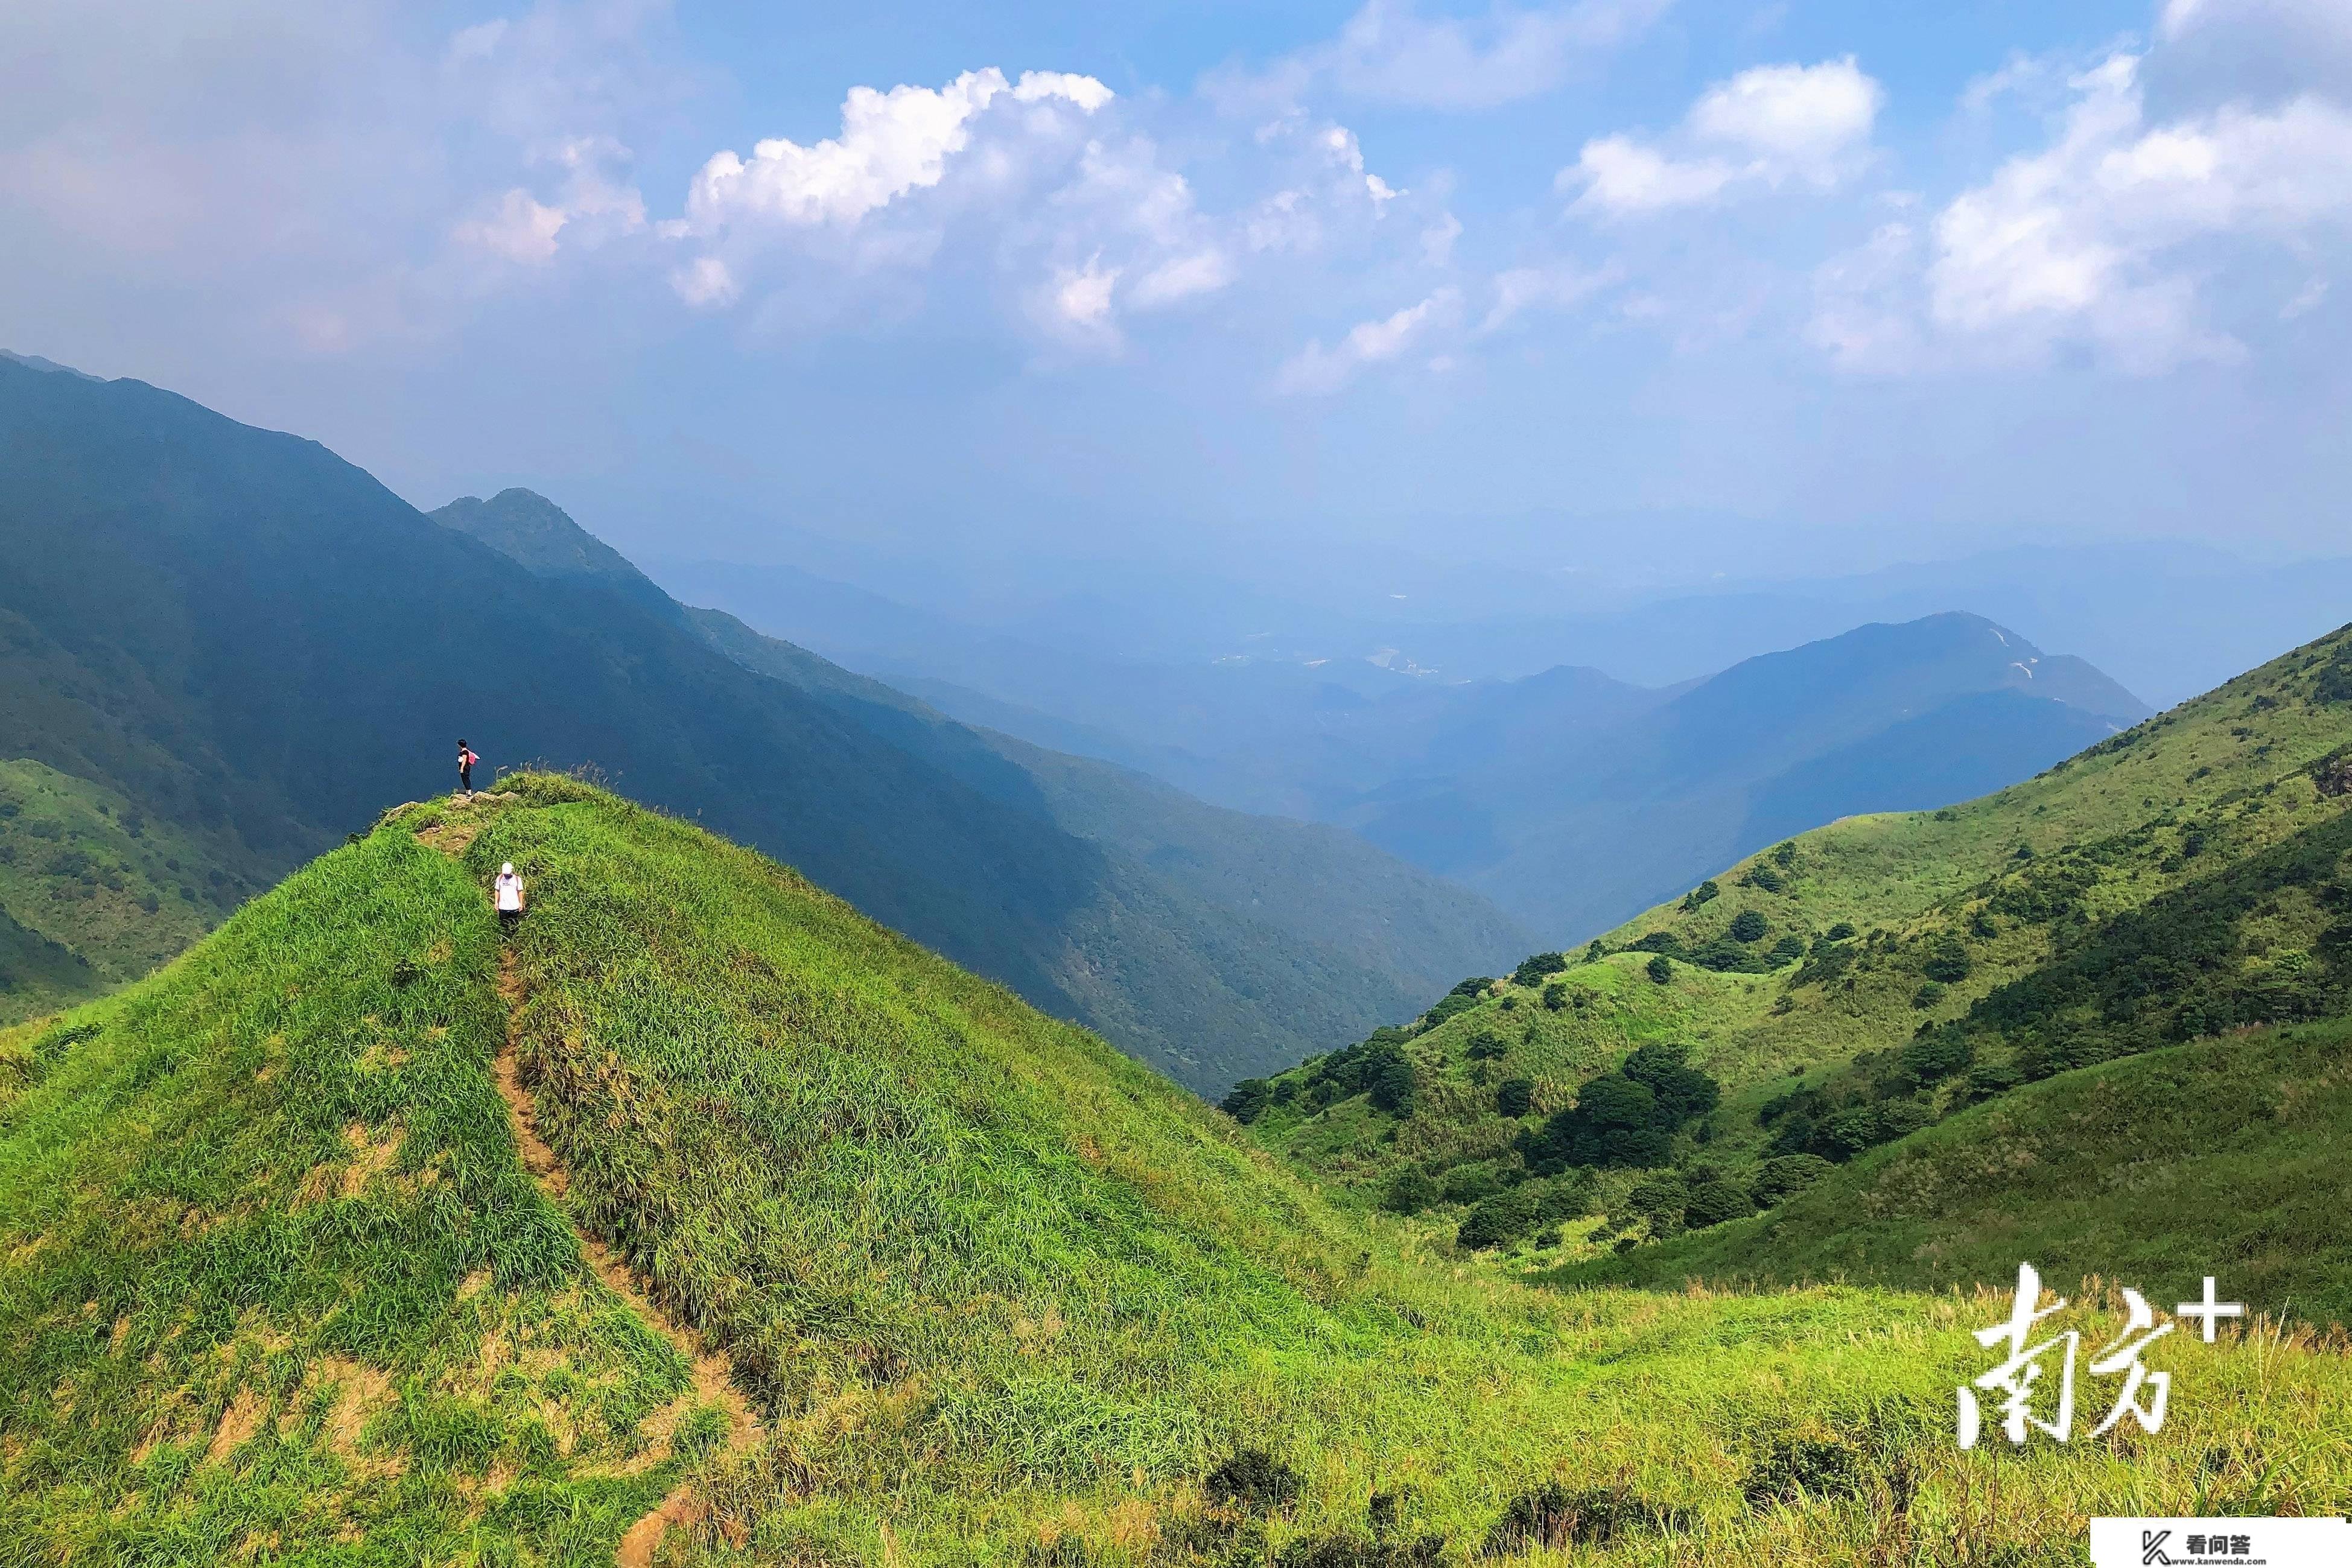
[[274, 1282], [2235, 770], [84, 869], [2223, 1156], [1006, 1294]]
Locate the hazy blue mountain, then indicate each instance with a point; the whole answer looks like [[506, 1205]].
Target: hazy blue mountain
[[1572, 798], [1573, 827], [254, 642]]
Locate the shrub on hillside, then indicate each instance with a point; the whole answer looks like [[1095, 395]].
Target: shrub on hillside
[[1625, 1118], [1747, 925], [1787, 950], [1472, 1183], [1251, 1481], [2334, 682], [1938, 1054], [1245, 1102], [1661, 1199], [1783, 1178], [1535, 966], [1555, 996], [1410, 1192], [1683, 1093], [1699, 895], [1503, 1217], [1948, 964], [1515, 1097], [1389, 1081], [1715, 1200], [1659, 969]]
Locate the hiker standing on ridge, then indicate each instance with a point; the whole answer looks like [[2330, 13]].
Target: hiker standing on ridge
[[466, 760], [506, 892]]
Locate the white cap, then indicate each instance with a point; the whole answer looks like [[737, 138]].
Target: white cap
[[507, 870]]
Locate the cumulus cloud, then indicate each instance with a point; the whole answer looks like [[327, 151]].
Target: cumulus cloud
[[890, 143], [1318, 370], [1768, 127], [2088, 238], [1387, 52]]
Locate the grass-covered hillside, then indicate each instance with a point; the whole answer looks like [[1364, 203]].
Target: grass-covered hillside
[[702, 1222], [93, 891], [1858, 982], [2224, 1156]]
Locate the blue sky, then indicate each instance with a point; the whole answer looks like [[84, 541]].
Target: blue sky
[[1279, 292]]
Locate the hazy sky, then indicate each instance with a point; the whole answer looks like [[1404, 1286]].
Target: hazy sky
[[1247, 286]]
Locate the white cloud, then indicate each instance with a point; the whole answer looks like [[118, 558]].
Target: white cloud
[[518, 229], [1525, 288], [1622, 178], [1318, 370], [705, 281], [1082, 295], [1183, 277], [1767, 126], [1389, 53], [1800, 121], [1348, 154], [890, 143], [590, 209], [477, 43], [2086, 238]]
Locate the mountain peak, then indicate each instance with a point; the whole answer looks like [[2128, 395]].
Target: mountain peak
[[536, 534]]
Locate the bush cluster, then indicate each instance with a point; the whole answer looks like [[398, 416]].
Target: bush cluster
[[1627, 1117]]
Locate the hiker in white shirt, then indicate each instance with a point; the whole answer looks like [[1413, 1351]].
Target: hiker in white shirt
[[506, 892]]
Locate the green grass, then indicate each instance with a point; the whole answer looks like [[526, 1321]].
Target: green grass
[[275, 1285], [85, 872], [2221, 1157], [1003, 1294]]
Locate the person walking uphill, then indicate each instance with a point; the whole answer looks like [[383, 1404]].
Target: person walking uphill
[[466, 760], [506, 892]]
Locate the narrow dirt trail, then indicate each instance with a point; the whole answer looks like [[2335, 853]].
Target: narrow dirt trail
[[713, 1377]]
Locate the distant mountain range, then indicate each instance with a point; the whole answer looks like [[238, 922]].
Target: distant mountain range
[[2167, 619], [1571, 798], [252, 647]]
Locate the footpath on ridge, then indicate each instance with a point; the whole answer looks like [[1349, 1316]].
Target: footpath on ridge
[[713, 1376]]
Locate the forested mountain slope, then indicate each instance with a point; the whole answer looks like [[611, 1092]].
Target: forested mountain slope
[[252, 647], [702, 1219], [1858, 983]]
